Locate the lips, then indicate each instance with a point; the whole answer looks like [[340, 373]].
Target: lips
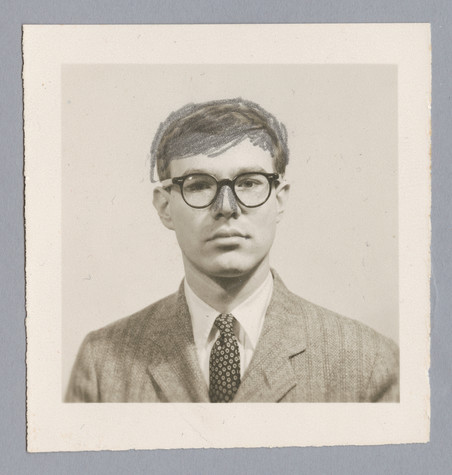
[[224, 234]]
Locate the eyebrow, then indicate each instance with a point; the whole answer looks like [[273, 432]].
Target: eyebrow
[[235, 172]]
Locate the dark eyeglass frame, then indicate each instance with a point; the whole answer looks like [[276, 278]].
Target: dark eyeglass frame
[[271, 177]]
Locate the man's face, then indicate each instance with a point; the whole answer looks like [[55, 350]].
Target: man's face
[[225, 239]]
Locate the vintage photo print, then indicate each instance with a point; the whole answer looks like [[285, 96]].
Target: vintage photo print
[[227, 219]]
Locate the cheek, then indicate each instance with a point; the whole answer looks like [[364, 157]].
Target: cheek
[[263, 229], [187, 224], [266, 221]]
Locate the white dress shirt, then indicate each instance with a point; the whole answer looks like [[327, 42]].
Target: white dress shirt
[[249, 314]]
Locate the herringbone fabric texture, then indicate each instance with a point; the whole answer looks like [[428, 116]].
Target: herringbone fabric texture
[[224, 365], [305, 354]]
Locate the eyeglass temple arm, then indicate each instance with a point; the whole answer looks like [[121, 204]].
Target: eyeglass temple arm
[[167, 182]]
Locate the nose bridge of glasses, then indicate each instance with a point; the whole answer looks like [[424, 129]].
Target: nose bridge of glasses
[[226, 182]]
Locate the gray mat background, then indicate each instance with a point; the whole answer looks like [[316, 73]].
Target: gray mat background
[[432, 458]]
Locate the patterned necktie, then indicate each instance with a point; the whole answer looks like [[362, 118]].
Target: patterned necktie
[[224, 365]]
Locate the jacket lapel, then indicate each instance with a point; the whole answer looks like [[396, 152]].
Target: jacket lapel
[[174, 362], [270, 375]]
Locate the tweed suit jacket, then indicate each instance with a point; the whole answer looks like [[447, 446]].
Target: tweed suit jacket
[[305, 354]]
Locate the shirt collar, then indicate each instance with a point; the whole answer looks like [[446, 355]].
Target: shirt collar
[[250, 313]]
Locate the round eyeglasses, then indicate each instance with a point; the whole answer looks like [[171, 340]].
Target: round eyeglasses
[[200, 190]]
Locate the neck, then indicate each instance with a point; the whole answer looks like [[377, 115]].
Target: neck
[[225, 293]]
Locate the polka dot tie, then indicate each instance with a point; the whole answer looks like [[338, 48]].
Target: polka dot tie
[[224, 365]]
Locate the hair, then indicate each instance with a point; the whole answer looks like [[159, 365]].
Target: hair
[[210, 128]]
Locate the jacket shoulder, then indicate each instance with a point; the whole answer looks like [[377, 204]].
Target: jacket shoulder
[[146, 322], [322, 322], [111, 361], [348, 353]]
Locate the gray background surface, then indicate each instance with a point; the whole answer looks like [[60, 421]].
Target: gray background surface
[[433, 458]]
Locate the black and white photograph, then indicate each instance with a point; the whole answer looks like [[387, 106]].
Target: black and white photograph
[[244, 227], [198, 344]]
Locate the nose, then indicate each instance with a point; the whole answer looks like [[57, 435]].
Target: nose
[[225, 204]]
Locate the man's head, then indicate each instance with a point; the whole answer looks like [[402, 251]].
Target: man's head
[[225, 229]]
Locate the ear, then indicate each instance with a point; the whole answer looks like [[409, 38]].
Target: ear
[[161, 202], [282, 195]]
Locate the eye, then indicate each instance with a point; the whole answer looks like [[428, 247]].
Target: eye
[[198, 183], [197, 186], [250, 182]]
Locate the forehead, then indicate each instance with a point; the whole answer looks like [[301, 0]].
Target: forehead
[[237, 159]]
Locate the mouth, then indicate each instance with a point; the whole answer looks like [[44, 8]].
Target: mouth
[[228, 235]]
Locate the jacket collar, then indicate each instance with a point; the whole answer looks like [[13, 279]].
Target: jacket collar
[[175, 368]]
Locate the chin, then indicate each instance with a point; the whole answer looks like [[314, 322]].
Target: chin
[[232, 268]]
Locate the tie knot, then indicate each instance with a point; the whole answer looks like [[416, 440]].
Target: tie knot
[[225, 323]]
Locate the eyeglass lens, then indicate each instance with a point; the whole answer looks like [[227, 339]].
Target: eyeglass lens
[[251, 189]]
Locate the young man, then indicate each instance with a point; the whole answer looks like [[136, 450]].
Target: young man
[[232, 332]]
